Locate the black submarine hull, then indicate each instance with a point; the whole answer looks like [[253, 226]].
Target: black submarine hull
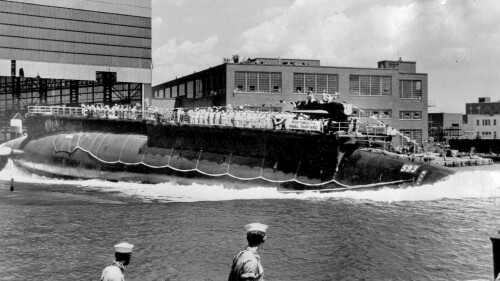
[[151, 152]]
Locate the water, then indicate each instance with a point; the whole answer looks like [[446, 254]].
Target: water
[[64, 230]]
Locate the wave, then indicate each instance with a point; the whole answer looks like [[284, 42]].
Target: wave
[[462, 185]]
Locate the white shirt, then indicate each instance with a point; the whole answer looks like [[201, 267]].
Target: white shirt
[[113, 273]]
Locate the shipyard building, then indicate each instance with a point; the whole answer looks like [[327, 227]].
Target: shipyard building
[[64, 53], [393, 92]]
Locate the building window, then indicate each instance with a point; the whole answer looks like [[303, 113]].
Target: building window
[[477, 122], [276, 82], [486, 122], [410, 115], [198, 88], [376, 113], [156, 94], [190, 90], [182, 90], [174, 91], [162, 94], [412, 134], [261, 82], [494, 122], [239, 80], [370, 85], [410, 89], [252, 81], [317, 83]]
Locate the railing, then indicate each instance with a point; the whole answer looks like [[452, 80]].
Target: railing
[[206, 116], [55, 110]]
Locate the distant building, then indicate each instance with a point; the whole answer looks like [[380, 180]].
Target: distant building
[[484, 106], [445, 126], [481, 126], [393, 92]]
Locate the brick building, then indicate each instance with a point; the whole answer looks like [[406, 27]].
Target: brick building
[[393, 92]]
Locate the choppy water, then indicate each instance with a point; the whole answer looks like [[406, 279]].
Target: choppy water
[[64, 230]]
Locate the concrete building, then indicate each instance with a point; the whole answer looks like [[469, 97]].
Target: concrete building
[[482, 126], [446, 126], [67, 52], [394, 91]]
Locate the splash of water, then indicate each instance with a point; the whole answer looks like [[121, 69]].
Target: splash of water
[[464, 184]]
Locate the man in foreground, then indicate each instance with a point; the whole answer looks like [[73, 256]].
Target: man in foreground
[[116, 271], [246, 264]]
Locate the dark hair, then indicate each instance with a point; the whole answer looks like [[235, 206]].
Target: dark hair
[[255, 238], [123, 257]]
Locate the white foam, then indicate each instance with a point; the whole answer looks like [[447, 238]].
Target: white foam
[[464, 184]]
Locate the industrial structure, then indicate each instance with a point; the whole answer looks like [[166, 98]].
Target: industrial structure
[[446, 126], [393, 92], [481, 121], [73, 51]]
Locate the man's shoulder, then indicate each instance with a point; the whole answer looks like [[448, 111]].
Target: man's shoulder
[[112, 270], [248, 255]]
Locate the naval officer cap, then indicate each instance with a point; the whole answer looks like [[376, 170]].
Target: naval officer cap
[[256, 227], [124, 247]]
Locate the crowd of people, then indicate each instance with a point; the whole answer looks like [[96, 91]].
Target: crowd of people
[[117, 111], [237, 117], [221, 116]]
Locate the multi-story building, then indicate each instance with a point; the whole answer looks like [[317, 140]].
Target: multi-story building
[[482, 126], [446, 126], [393, 92], [67, 52]]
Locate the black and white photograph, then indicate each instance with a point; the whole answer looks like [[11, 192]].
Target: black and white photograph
[[249, 140]]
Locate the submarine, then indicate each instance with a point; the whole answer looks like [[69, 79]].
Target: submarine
[[65, 142]]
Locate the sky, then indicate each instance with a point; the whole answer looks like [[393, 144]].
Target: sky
[[456, 42]]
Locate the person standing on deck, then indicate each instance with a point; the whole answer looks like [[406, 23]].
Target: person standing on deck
[[116, 271], [246, 264]]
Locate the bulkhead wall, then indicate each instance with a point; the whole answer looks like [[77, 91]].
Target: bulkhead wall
[[308, 153]]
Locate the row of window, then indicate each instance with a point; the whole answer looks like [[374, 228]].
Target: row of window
[[486, 122], [487, 135], [361, 85], [209, 85], [410, 115], [271, 82], [370, 85], [316, 83], [387, 114], [378, 113], [261, 82]]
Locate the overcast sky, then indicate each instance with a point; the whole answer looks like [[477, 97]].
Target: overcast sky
[[457, 42]]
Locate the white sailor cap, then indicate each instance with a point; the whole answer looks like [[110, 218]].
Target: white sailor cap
[[256, 227], [124, 247]]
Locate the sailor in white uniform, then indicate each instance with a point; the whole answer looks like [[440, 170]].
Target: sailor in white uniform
[[116, 271], [246, 264]]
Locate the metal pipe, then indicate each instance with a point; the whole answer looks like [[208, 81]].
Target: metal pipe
[[495, 240]]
